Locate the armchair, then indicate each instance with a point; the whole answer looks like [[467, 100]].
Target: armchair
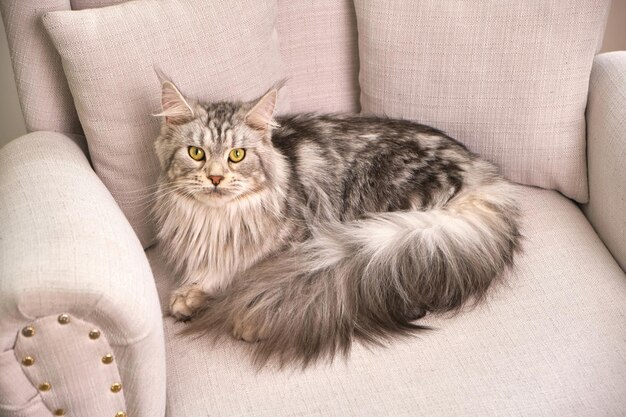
[[67, 249], [79, 296]]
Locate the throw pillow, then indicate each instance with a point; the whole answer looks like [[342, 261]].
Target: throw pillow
[[507, 78], [210, 50]]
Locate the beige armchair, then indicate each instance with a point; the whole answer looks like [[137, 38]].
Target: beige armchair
[[82, 332]]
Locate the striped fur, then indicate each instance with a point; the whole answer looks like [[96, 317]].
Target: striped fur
[[333, 228]]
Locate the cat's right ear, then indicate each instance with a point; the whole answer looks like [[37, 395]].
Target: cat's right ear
[[175, 108], [261, 116]]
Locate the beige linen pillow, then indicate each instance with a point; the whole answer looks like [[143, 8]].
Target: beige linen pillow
[[210, 50], [318, 46], [508, 78]]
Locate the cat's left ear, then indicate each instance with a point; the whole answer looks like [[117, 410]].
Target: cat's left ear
[[261, 116]]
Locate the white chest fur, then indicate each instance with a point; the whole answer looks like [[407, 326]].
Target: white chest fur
[[209, 245]]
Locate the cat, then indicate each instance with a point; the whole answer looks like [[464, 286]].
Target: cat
[[305, 232]]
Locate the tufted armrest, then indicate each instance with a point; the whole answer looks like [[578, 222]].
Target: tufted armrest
[[606, 152], [70, 262]]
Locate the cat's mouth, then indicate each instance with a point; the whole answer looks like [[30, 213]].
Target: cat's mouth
[[214, 191], [213, 195]]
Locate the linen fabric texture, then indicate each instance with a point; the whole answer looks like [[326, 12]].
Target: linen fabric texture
[[109, 56], [44, 96], [606, 148], [318, 46], [509, 79], [83, 372], [66, 247], [548, 342]]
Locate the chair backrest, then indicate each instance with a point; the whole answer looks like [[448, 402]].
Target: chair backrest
[[318, 44]]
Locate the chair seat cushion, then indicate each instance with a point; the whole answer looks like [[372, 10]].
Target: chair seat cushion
[[551, 341]]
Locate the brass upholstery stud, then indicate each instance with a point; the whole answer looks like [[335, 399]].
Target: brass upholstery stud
[[59, 412], [94, 334], [120, 414], [64, 318], [45, 386], [28, 361], [107, 359], [28, 331], [116, 387]]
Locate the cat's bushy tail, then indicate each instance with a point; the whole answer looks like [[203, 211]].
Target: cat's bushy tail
[[368, 279]]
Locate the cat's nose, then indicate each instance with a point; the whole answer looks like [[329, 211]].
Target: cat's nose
[[216, 179]]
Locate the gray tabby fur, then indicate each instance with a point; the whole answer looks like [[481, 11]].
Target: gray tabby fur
[[333, 227]]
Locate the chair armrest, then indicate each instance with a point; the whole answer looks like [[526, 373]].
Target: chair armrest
[[66, 247], [606, 152]]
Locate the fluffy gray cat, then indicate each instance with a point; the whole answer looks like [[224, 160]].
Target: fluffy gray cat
[[306, 232]]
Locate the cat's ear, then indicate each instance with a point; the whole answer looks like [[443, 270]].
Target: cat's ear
[[175, 108], [261, 116]]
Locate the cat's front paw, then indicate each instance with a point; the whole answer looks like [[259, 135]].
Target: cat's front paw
[[246, 329], [185, 301]]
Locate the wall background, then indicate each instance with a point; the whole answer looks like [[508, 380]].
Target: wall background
[[12, 122]]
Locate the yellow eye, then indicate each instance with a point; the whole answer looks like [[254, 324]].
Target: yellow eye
[[196, 153], [237, 155]]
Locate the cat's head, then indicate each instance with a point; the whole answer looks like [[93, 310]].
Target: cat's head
[[216, 153]]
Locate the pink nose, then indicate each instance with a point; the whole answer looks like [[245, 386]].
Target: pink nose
[[216, 179]]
